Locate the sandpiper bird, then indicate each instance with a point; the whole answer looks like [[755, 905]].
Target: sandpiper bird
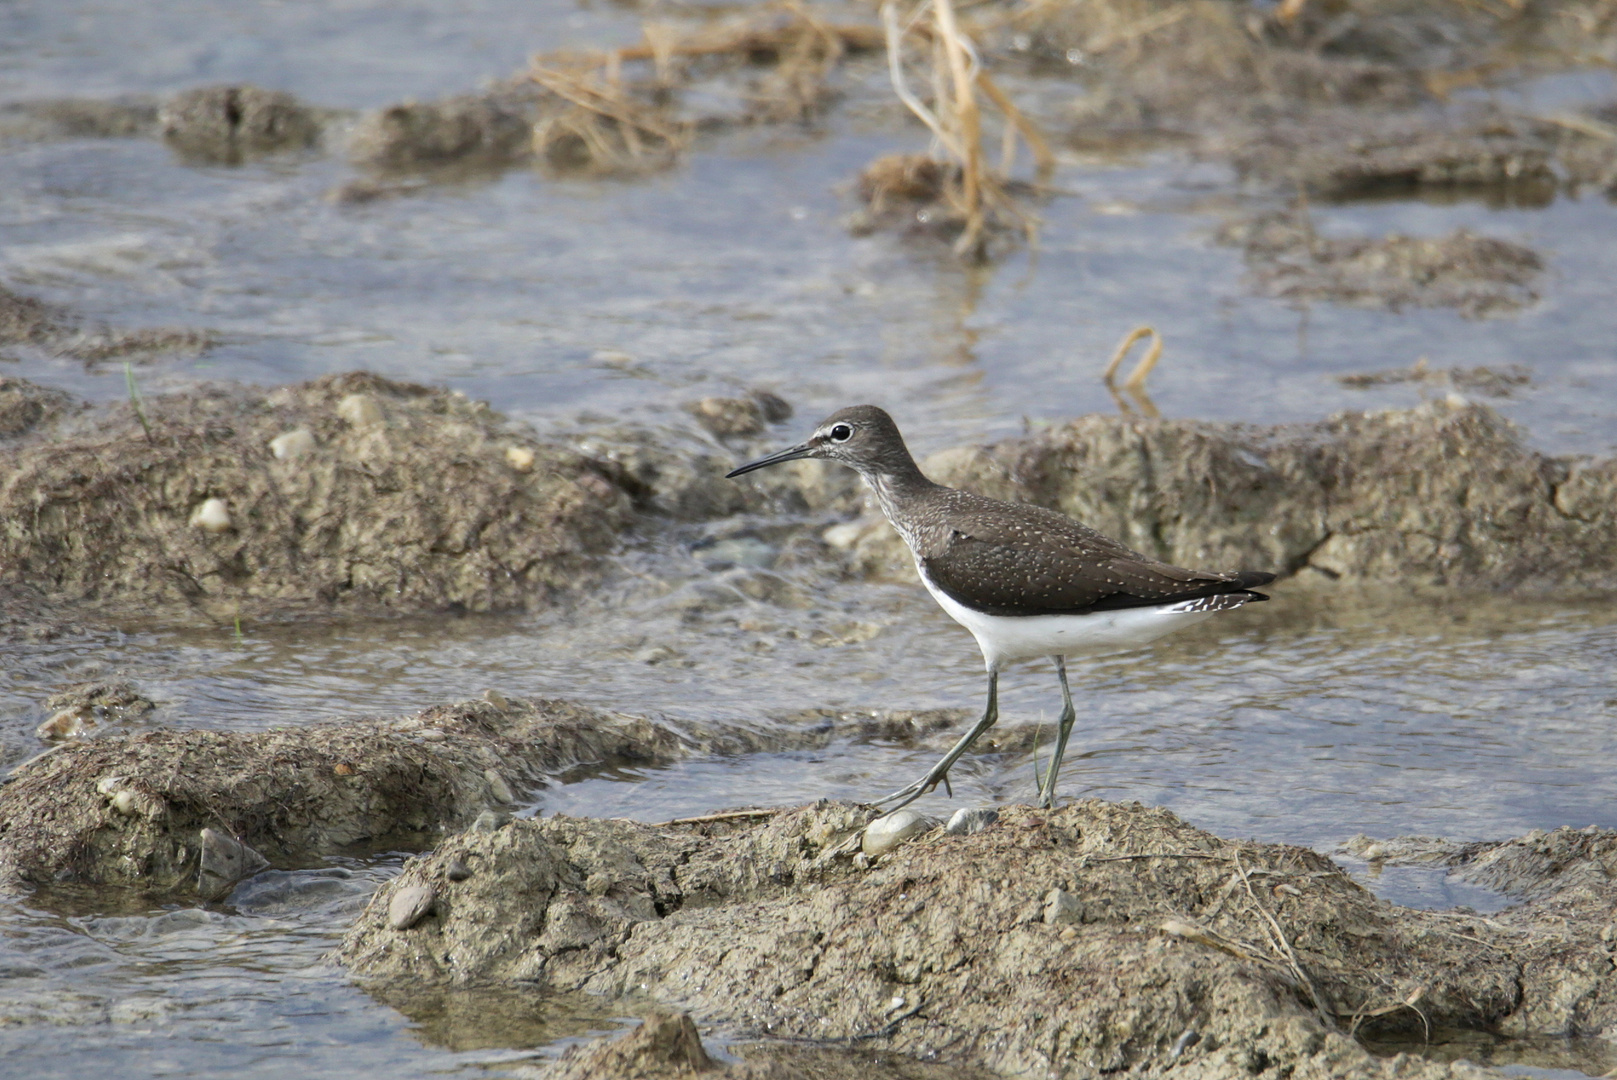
[[1027, 582]]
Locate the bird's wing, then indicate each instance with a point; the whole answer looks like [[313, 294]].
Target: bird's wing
[[1045, 564]]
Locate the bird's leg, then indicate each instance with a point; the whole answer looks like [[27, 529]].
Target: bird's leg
[[940, 771], [1047, 790]]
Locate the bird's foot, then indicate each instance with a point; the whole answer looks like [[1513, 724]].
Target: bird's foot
[[908, 794]]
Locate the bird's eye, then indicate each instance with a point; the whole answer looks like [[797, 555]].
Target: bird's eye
[[841, 433]]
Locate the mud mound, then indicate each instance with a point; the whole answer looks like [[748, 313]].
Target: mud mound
[[131, 811], [76, 118], [228, 125], [349, 492], [1477, 275], [127, 809], [1343, 154], [413, 135], [1445, 494], [1099, 938], [25, 406]]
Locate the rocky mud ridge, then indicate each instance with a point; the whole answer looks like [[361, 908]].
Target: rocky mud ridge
[[1096, 939]]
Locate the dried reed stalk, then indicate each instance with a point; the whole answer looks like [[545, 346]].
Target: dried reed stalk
[[617, 120], [976, 194]]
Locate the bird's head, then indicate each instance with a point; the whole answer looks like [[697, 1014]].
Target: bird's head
[[861, 436]]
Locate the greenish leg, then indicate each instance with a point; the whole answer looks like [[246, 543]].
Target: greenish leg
[[939, 773], [1047, 790]]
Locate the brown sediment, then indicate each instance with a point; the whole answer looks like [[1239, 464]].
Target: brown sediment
[[1096, 938], [1446, 494]]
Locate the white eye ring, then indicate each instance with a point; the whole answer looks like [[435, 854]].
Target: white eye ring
[[841, 433]]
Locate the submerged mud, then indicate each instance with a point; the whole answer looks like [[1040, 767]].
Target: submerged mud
[[1446, 494], [1097, 938]]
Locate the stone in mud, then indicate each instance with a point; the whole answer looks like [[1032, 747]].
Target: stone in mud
[[467, 129], [231, 124], [222, 861], [726, 417], [409, 906], [1446, 494], [971, 819], [414, 510], [890, 830], [944, 952]]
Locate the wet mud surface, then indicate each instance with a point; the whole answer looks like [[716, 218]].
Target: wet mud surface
[[640, 234], [1087, 940]]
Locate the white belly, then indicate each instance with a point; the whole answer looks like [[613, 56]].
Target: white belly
[[1007, 638]]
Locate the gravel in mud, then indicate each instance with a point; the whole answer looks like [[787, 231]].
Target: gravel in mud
[[1097, 938], [1446, 494]]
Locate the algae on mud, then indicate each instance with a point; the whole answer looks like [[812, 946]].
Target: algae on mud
[[946, 949]]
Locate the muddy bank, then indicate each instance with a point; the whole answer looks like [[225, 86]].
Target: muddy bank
[[350, 492], [1446, 494], [133, 809], [1096, 938]]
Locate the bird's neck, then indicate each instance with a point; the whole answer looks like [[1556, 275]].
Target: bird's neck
[[895, 487]]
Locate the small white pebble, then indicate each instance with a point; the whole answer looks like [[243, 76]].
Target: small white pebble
[[519, 458], [409, 906], [360, 410], [126, 801], [64, 724], [212, 515], [292, 444], [887, 832]]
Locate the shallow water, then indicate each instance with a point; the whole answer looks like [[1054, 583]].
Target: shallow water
[[1306, 720]]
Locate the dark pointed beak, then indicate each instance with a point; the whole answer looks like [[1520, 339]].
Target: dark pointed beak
[[791, 453]]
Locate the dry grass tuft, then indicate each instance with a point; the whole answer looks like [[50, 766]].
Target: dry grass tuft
[[928, 44], [618, 110]]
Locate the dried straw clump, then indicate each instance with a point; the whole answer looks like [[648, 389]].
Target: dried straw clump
[[619, 110], [962, 193]]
